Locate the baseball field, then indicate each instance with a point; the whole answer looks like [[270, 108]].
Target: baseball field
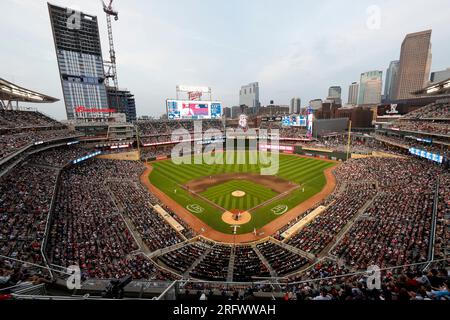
[[207, 191]]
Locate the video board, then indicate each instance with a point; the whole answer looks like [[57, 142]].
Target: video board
[[294, 121], [428, 155], [185, 109]]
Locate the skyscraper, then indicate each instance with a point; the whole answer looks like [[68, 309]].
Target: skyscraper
[[370, 87], [227, 112], [415, 64], [391, 77], [295, 105], [122, 101], [316, 104], [353, 90], [80, 62], [249, 95], [439, 76], [334, 94]]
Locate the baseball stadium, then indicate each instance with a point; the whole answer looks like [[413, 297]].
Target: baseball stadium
[[268, 203]]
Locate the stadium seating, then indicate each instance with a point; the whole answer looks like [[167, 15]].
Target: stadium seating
[[433, 118], [10, 119], [19, 129], [104, 220], [431, 111]]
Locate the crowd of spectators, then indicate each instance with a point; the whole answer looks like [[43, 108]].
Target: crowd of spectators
[[19, 129], [11, 141], [25, 198], [270, 125], [247, 265], [94, 200], [210, 261], [329, 281], [293, 133], [323, 231], [136, 204], [18, 275], [214, 266], [396, 227], [183, 258], [435, 127], [10, 119], [282, 260], [365, 145], [413, 143], [166, 127], [59, 157], [155, 152], [88, 228], [431, 111], [326, 280], [153, 132]]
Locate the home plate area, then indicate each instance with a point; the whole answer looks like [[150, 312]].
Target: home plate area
[[236, 217]]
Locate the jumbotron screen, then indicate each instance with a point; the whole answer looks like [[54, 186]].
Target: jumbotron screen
[[184, 109], [294, 121]]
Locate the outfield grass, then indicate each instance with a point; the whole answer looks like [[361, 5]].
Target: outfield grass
[[307, 172], [254, 194]]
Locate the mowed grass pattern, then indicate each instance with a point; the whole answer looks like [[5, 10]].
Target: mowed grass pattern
[[307, 172], [254, 194]]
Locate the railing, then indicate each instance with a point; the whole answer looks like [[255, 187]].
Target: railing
[[36, 290], [48, 224], [433, 224]]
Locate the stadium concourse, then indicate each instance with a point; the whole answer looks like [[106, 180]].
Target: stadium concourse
[[56, 212]]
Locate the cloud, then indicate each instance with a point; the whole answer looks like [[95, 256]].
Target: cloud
[[293, 48]]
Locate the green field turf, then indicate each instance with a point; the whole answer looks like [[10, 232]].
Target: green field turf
[[254, 194], [308, 172]]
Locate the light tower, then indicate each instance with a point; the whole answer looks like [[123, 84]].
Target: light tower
[[111, 72]]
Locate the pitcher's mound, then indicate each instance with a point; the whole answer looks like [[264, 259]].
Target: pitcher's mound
[[231, 217], [238, 194]]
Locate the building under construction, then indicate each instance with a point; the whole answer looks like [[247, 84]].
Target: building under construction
[[82, 69], [123, 102]]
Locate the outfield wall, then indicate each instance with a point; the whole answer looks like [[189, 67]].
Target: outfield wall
[[321, 153], [310, 152]]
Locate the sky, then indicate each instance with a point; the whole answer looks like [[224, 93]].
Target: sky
[[292, 48]]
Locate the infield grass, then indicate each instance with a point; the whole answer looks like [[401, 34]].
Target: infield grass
[[254, 194]]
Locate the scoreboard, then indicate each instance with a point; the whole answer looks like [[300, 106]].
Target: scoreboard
[[294, 121], [190, 109]]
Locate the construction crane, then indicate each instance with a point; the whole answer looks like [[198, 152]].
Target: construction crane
[[111, 73]]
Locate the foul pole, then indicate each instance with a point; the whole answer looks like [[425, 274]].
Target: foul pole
[[349, 137]]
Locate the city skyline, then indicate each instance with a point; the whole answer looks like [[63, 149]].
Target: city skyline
[[151, 65], [415, 64]]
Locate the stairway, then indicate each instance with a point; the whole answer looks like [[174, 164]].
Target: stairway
[[231, 265], [295, 250], [197, 262], [272, 272], [329, 248]]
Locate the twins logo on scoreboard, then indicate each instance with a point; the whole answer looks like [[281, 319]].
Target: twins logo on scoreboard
[[195, 96]]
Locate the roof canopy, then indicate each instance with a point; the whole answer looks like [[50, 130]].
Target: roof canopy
[[11, 92], [438, 88]]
